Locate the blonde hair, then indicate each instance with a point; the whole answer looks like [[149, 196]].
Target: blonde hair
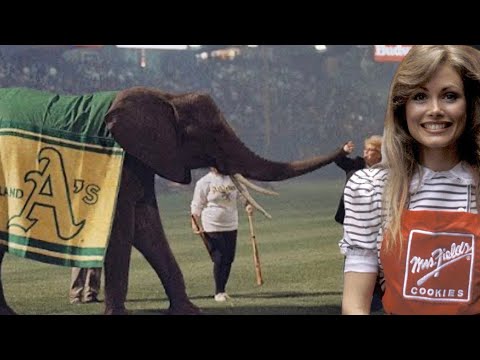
[[400, 153], [375, 141]]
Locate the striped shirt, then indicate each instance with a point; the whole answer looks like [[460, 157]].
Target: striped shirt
[[448, 190]]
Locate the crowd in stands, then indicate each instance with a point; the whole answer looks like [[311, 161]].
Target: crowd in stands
[[280, 109]]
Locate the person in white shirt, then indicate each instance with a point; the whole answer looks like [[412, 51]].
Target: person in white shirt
[[214, 210], [413, 219]]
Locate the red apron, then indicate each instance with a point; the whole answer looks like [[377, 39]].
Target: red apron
[[438, 270]]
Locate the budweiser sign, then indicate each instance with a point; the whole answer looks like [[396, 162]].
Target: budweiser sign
[[391, 53]]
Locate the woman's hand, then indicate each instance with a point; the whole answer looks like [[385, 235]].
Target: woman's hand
[[249, 209], [196, 229], [348, 147]]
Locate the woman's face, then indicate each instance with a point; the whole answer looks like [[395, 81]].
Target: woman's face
[[371, 155], [437, 112]]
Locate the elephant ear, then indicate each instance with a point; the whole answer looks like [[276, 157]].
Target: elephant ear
[[145, 125]]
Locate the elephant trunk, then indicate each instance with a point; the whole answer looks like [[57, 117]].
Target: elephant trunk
[[242, 160]]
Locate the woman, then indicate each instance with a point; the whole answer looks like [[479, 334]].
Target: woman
[[372, 155], [413, 219], [215, 204]]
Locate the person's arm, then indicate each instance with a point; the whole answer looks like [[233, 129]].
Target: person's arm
[[344, 162], [199, 201], [357, 293], [361, 227], [197, 227]]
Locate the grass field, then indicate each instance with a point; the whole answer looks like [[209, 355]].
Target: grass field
[[301, 263]]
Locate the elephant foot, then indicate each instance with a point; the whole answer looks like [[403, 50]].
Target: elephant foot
[[184, 308], [115, 311], [7, 310]]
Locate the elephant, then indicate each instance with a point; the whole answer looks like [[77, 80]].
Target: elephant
[[169, 135]]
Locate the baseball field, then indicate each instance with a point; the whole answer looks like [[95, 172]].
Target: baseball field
[[299, 257]]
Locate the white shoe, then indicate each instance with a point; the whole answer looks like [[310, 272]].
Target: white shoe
[[221, 297]]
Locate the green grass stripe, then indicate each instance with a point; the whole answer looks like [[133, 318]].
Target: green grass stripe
[[84, 147], [62, 249], [53, 260]]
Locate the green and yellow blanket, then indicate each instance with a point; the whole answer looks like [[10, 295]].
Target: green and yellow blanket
[[59, 176]]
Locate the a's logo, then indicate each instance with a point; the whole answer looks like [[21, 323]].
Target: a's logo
[[224, 191], [50, 190], [439, 266]]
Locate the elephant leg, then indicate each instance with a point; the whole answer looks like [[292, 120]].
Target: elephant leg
[[117, 262], [117, 258], [4, 308], [152, 243]]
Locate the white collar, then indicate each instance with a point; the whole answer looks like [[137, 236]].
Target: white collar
[[462, 173]]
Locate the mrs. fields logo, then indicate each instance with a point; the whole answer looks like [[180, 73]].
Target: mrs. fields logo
[[439, 266]]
